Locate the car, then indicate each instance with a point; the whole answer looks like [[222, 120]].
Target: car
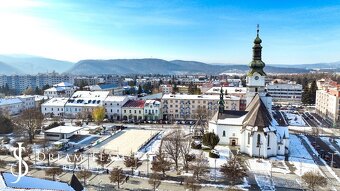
[[313, 143]]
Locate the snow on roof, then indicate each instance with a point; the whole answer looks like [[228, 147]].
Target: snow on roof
[[282, 132], [63, 84], [87, 98], [115, 98], [233, 90], [56, 102], [24, 96], [9, 101], [32, 183], [64, 129], [40, 97], [198, 97]]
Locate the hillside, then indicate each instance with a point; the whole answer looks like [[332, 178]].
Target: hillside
[[159, 66], [35, 64], [7, 69]]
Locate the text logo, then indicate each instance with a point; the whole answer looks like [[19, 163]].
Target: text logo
[[21, 163]]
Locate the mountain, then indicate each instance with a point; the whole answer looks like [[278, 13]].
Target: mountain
[[34, 64], [159, 66], [7, 69], [330, 65]]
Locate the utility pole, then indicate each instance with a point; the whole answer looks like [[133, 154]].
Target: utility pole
[[215, 170]]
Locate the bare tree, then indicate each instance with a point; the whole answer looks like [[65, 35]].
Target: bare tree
[[155, 180], [314, 180], [53, 171], [233, 170], [3, 164], [160, 163], [200, 165], [172, 146], [192, 184], [117, 176], [103, 159], [84, 174], [28, 122], [185, 149], [201, 116]]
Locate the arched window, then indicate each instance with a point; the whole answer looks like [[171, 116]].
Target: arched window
[[248, 138], [223, 134], [258, 139], [268, 138]]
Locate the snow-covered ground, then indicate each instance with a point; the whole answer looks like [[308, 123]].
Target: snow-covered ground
[[326, 140], [300, 157], [294, 119], [261, 170]]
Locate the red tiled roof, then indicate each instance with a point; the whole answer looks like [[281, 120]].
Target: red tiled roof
[[134, 103]]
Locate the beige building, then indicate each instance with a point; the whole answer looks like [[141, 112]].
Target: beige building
[[184, 107], [183, 89], [133, 110], [327, 104]]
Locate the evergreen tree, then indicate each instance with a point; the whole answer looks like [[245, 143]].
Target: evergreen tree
[[305, 95], [312, 92], [140, 90]]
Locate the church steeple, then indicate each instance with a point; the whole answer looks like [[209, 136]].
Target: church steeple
[[257, 64], [221, 102]]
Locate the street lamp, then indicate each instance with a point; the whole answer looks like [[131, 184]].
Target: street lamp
[[147, 164]]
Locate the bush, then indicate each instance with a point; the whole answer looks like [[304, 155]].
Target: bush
[[210, 139], [6, 140], [194, 145], [52, 125], [78, 123], [213, 155]]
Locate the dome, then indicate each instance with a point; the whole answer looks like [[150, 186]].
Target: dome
[[257, 40]]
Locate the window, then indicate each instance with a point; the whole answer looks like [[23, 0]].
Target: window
[[258, 139], [248, 138], [268, 138], [223, 134]]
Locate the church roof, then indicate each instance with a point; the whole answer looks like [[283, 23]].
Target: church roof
[[75, 184], [258, 115]]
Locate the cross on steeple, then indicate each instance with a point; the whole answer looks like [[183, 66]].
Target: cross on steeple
[[258, 29]]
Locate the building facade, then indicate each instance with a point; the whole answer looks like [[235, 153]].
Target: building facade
[[113, 106], [133, 110], [184, 107], [152, 110], [327, 104], [287, 93]]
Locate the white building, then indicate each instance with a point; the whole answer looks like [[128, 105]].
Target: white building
[[61, 132], [287, 93], [28, 101], [152, 110], [54, 107], [63, 89], [254, 130], [165, 88], [84, 101], [113, 106], [327, 104], [12, 106]]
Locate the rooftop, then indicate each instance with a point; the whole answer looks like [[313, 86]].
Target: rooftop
[[56, 102], [116, 98], [63, 84], [198, 97], [64, 129], [8, 101], [135, 103], [233, 90], [87, 98]]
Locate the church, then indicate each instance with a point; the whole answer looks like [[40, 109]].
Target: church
[[254, 130]]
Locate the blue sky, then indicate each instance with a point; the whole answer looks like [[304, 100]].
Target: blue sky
[[293, 32]]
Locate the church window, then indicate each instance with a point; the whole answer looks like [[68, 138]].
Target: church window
[[258, 139], [248, 138], [268, 140], [223, 134]]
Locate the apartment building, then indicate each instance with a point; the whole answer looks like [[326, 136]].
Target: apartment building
[[11, 106], [54, 107], [285, 93], [327, 104], [184, 107], [166, 88], [63, 89]]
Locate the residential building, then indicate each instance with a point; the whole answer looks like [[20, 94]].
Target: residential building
[[113, 106], [166, 88], [84, 101], [112, 88], [54, 107], [87, 81], [152, 110], [327, 104], [184, 107], [12, 106], [133, 110], [183, 89], [28, 101], [63, 89], [285, 93], [233, 91]]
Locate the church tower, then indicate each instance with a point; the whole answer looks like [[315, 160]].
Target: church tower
[[256, 77]]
